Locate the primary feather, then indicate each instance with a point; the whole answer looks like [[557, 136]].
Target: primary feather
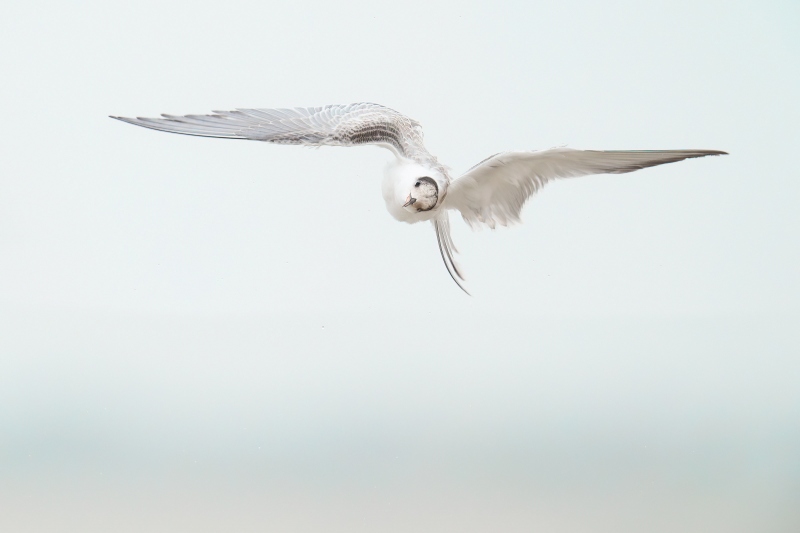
[[332, 125], [494, 191]]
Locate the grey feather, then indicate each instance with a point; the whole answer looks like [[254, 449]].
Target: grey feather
[[494, 191], [446, 248], [333, 125]]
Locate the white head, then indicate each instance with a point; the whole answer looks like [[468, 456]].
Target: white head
[[412, 191], [423, 195]]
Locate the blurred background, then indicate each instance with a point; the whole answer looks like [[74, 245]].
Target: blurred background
[[181, 349]]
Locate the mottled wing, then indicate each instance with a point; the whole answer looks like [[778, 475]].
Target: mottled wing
[[333, 125], [494, 191]]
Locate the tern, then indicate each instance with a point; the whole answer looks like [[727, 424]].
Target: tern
[[416, 187]]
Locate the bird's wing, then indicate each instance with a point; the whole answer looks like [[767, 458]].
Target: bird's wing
[[494, 191], [333, 125]]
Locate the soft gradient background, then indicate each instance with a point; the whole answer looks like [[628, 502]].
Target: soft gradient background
[[202, 335]]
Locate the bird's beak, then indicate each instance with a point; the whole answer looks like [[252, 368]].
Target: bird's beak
[[409, 201]]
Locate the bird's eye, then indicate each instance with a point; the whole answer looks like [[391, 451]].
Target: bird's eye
[[416, 184]]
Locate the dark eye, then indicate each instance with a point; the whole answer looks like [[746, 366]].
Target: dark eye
[[416, 184]]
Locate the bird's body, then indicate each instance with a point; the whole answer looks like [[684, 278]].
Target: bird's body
[[416, 187]]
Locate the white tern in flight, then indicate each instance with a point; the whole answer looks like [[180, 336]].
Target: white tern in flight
[[416, 187]]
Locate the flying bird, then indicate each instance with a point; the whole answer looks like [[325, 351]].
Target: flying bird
[[416, 187]]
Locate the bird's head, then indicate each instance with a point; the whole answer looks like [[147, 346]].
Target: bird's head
[[413, 192], [423, 195]]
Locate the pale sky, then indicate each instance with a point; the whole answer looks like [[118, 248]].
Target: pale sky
[[183, 349]]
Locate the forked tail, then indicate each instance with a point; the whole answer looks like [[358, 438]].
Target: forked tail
[[447, 248]]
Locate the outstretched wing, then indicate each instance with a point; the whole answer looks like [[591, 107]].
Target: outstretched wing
[[333, 125], [494, 191]]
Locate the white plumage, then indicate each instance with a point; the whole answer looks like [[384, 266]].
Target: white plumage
[[416, 187]]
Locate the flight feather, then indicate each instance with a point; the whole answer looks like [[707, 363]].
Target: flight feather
[[494, 191]]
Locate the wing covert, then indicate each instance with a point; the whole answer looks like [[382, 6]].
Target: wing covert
[[494, 191], [333, 125]]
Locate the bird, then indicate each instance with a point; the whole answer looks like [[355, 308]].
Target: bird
[[416, 187]]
